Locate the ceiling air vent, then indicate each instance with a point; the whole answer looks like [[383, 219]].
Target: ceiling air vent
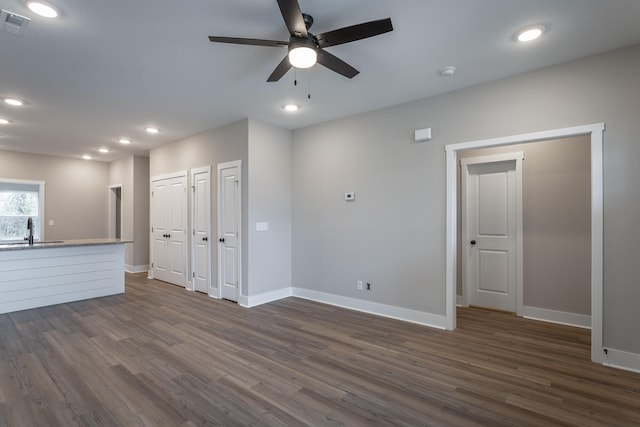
[[12, 22]]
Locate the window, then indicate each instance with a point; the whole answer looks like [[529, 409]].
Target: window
[[20, 200]]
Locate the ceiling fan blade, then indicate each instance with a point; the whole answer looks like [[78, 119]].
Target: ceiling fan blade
[[252, 42], [292, 15], [280, 70], [336, 64], [354, 32]]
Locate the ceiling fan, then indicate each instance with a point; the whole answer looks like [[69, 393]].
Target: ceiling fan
[[305, 49]]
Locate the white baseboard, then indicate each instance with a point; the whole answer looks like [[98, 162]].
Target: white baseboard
[[460, 301], [136, 268], [622, 360], [560, 317], [264, 298], [407, 315]]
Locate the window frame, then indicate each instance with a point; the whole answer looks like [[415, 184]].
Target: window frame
[[41, 205]]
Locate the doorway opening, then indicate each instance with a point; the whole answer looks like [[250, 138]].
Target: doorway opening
[[595, 133], [115, 211]]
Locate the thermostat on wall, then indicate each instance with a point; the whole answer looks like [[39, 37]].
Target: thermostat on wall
[[350, 196]]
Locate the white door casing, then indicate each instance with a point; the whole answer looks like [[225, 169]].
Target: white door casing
[[229, 227], [595, 132], [169, 228], [492, 231], [201, 210]]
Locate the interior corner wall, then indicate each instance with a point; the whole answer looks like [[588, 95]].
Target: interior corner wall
[[223, 144], [141, 229], [393, 234], [76, 197], [270, 185], [121, 173], [556, 190]]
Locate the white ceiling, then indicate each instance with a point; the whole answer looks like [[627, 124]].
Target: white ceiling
[[105, 69]]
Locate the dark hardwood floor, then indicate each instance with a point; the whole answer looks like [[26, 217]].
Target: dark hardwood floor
[[162, 356]]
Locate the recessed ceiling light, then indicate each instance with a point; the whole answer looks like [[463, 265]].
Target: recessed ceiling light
[[103, 150], [291, 107], [447, 71], [86, 157], [14, 101], [530, 33], [125, 141], [152, 130], [4, 122], [42, 9]]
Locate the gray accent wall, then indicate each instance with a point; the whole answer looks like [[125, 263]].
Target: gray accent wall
[[556, 189], [265, 152], [76, 192], [270, 183], [133, 174], [394, 233]]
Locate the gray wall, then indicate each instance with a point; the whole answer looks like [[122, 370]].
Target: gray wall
[[265, 152], [394, 234], [556, 191], [133, 174], [223, 144], [269, 196], [141, 229], [76, 192]]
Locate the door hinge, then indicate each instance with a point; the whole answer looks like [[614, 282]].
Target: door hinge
[[193, 187], [152, 194], [152, 229], [151, 265], [194, 232], [193, 274]]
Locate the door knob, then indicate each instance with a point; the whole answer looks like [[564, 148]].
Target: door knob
[[204, 239], [221, 240], [168, 236], [473, 242]]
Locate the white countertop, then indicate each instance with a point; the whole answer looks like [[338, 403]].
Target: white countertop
[[60, 244]]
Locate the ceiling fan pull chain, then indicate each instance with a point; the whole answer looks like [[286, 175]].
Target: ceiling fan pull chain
[[309, 84], [295, 76]]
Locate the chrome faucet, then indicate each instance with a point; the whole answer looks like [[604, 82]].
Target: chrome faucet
[[30, 228]]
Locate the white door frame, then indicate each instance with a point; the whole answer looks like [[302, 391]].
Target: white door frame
[[226, 165], [112, 219], [194, 172], [517, 157], [595, 131]]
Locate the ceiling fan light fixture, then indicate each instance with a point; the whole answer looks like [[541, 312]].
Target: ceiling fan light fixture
[[302, 53]]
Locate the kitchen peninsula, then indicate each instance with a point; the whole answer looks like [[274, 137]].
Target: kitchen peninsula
[[47, 273]]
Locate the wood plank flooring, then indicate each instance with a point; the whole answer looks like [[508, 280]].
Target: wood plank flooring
[[162, 356]]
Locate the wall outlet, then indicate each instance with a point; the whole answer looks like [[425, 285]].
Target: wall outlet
[[359, 285]]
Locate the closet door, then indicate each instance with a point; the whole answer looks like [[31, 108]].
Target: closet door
[[169, 229]]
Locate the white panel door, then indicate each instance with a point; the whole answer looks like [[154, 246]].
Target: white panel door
[[491, 207], [200, 179], [169, 229], [159, 225], [229, 216]]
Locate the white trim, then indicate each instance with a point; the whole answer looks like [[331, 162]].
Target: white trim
[[516, 156], [264, 298], [460, 301], [597, 187], [195, 171], [220, 167], [622, 360], [136, 268], [405, 314], [177, 174], [554, 316]]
